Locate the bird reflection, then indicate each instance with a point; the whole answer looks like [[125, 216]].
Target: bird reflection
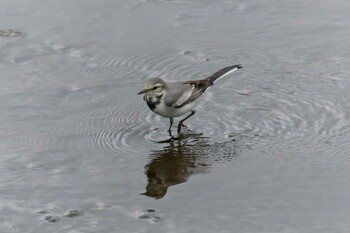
[[177, 161]]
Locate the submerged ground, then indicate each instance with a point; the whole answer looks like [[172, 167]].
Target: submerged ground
[[267, 151]]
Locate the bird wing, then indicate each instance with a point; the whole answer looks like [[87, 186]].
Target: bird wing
[[184, 97], [183, 93]]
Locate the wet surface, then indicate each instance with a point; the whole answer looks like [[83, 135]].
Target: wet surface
[[267, 151]]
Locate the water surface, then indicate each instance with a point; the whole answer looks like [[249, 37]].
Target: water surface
[[267, 150]]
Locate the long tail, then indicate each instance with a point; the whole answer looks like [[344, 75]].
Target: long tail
[[223, 72]]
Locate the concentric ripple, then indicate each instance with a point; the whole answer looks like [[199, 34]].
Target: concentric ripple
[[120, 130], [111, 117]]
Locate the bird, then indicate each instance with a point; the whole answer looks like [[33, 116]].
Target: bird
[[174, 99]]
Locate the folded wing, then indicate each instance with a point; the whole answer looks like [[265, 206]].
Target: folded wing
[[186, 93]]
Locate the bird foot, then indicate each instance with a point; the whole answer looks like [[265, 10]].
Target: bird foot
[[170, 134], [180, 126]]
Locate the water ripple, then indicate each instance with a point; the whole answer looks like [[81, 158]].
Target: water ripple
[[119, 130]]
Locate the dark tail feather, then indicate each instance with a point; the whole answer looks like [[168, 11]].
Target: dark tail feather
[[223, 72]]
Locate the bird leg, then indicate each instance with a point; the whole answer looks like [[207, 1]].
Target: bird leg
[[171, 124], [182, 121]]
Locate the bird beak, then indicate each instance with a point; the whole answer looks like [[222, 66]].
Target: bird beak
[[142, 92]]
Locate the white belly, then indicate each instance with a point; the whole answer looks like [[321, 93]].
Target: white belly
[[165, 111]]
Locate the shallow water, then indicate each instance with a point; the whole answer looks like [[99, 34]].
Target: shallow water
[[267, 150]]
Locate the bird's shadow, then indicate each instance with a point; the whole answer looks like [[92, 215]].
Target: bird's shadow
[[182, 157]]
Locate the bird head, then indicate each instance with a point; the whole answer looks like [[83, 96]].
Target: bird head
[[153, 87]]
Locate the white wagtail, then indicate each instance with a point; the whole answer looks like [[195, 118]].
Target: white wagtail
[[177, 98]]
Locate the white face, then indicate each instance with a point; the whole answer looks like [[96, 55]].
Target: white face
[[154, 90], [154, 87]]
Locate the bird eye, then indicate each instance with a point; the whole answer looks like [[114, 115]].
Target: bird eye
[[154, 88]]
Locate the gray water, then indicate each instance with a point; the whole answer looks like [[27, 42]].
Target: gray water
[[267, 151]]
